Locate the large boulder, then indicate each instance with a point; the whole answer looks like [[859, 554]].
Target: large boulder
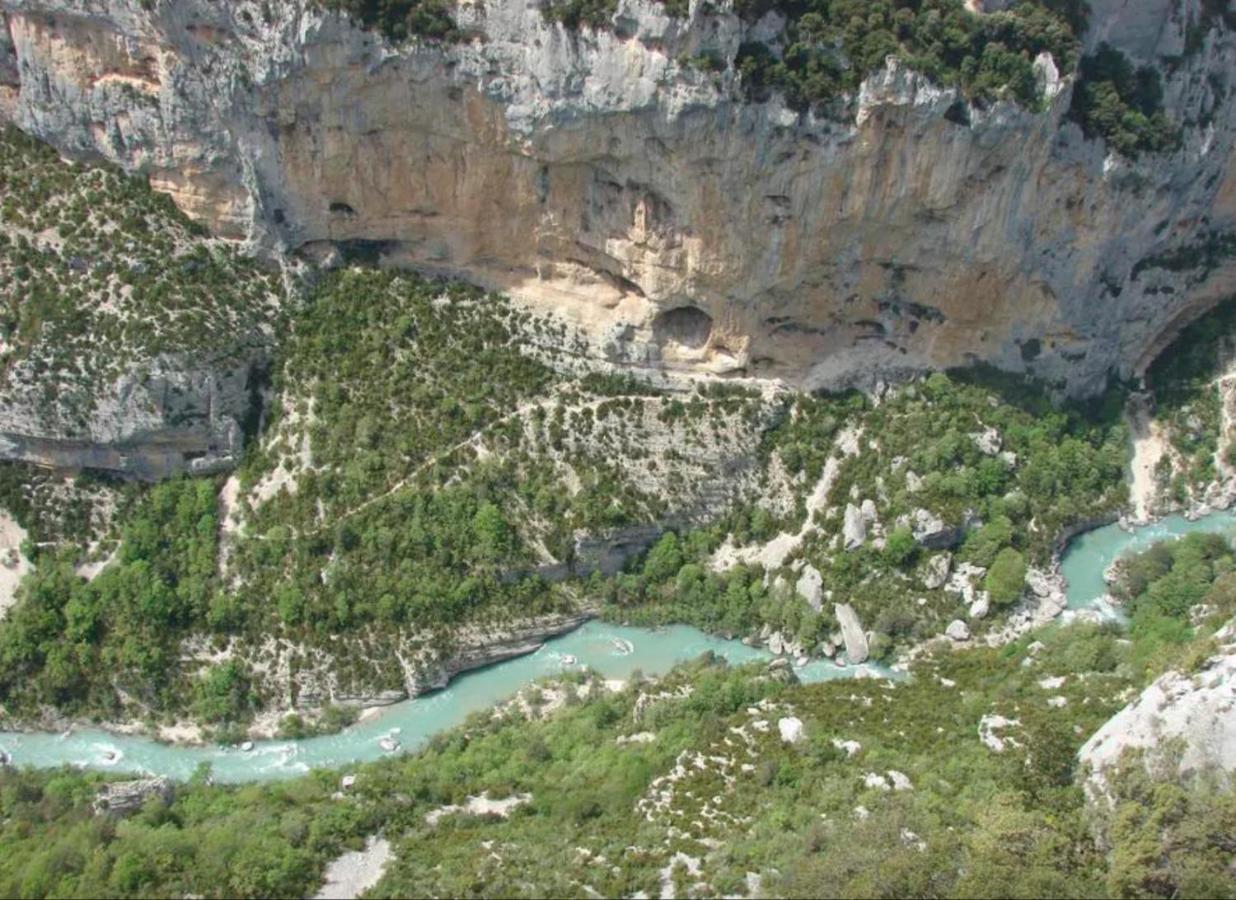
[[936, 571], [854, 527], [791, 729], [856, 649], [810, 587], [934, 533]]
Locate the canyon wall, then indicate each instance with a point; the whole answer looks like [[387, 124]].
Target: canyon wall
[[593, 173]]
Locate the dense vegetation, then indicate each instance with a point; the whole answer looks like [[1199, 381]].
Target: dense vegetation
[[400, 20], [420, 470], [73, 644], [1171, 586], [920, 452], [1122, 105], [806, 819], [99, 274], [1188, 402], [830, 46]]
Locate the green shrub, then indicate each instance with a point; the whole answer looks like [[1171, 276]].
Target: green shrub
[[1006, 577]]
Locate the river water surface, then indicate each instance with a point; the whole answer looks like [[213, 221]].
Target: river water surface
[[613, 651]]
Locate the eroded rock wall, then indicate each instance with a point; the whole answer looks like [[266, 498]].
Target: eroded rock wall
[[593, 174]]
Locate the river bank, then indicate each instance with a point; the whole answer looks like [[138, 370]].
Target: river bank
[[1072, 584]]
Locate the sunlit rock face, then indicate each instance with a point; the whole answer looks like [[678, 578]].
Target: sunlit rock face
[[593, 174]]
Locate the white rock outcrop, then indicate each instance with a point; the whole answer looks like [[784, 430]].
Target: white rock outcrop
[[936, 571], [853, 527], [1199, 710]]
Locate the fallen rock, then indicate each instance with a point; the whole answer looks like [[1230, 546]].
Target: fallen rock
[[853, 528], [989, 730], [810, 587], [980, 607], [901, 781], [932, 532], [961, 581], [958, 630], [856, 647], [875, 780], [987, 441], [936, 571]]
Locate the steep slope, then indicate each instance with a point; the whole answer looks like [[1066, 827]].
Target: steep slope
[[681, 217], [131, 342]]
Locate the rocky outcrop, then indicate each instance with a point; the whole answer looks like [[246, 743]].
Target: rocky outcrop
[[681, 226], [810, 586], [476, 648], [164, 416], [122, 798], [936, 571], [854, 526], [1198, 710]]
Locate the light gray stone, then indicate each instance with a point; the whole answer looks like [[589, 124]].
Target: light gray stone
[[810, 587], [856, 648]]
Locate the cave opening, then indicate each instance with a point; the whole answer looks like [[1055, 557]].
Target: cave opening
[[687, 326]]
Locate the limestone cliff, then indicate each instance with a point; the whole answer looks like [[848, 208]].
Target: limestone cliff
[[593, 173]]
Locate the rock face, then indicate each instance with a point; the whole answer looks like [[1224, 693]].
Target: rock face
[[484, 648], [1198, 709], [593, 173], [166, 416]]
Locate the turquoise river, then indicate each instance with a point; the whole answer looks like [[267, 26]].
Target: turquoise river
[[613, 651]]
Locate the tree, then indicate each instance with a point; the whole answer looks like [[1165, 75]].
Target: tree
[[664, 559], [1006, 577], [900, 547]]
